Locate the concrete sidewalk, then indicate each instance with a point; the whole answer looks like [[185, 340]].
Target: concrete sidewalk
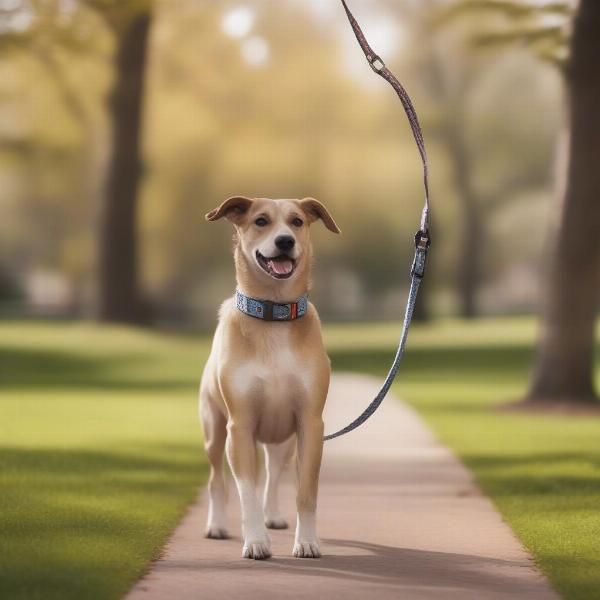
[[399, 517]]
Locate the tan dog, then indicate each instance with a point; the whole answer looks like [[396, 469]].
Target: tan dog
[[267, 381]]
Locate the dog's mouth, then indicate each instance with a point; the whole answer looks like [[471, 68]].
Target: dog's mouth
[[279, 267]]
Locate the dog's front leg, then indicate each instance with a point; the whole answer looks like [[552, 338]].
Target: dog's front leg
[[310, 451], [241, 453]]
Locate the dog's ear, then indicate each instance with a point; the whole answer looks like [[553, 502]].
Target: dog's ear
[[315, 210], [233, 209]]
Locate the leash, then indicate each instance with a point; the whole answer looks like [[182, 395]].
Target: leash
[[422, 238]]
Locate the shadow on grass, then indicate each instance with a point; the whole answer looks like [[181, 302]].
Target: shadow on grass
[[462, 363], [31, 367], [551, 474], [538, 459], [81, 523], [59, 369]]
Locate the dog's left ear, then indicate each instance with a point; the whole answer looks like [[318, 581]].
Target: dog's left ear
[[233, 209], [315, 210]]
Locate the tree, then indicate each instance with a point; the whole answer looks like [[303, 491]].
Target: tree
[[563, 369], [564, 363], [453, 77], [53, 30], [119, 297]]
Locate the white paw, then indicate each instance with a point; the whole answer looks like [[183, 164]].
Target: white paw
[[215, 532], [307, 550], [256, 550], [276, 523]]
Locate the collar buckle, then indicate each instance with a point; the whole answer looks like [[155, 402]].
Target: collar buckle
[[267, 307]]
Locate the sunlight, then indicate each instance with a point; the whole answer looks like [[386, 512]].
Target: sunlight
[[255, 51], [238, 22], [17, 18]]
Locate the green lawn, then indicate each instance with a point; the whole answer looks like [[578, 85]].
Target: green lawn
[[542, 472], [100, 450]]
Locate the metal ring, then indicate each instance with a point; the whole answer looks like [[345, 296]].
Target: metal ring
[[377, 68]]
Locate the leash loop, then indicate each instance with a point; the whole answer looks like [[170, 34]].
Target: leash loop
[[422, 237]]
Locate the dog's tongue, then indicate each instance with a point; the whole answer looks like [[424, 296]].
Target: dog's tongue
[[281, 267]]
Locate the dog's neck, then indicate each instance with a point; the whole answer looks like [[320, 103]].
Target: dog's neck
[[276, 290]]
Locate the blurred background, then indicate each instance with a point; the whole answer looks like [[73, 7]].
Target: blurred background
[[121, 124]]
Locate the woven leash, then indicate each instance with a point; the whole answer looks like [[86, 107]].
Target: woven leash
[[422, 239]]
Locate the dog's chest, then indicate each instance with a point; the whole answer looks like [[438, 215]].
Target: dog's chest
[[274, 384], [274, 371]]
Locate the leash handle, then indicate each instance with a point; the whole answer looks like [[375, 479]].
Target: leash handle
[[379, 67], [422, 237]]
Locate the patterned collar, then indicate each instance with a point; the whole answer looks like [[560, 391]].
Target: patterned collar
[[271, 311]]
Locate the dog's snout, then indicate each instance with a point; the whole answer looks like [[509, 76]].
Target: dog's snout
[[285, 242]]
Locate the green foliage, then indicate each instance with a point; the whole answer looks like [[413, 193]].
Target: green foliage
[[510, 8], [541, 26]]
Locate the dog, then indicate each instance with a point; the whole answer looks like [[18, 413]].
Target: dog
[[267, 376]]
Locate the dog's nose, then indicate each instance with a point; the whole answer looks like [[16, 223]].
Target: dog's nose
[[285, 242]]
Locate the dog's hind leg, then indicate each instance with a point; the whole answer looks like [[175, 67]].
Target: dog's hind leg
[[277, 457], [215, 434]]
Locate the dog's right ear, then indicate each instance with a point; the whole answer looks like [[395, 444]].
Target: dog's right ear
[[233, 209]]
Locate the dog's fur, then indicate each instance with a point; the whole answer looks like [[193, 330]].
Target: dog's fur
[[266, 381]]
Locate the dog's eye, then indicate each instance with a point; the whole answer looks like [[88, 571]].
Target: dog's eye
[[297, 222], [261, 222]]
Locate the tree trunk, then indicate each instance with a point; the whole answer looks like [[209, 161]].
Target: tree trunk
[[469, 264], [453, 134], [119, 298], [564, 363]]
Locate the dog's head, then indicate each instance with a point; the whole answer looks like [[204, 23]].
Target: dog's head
[[273, 235]]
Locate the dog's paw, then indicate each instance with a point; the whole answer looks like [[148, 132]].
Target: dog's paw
[[276, 523], [256, 550], [307, 550], [216, 533]]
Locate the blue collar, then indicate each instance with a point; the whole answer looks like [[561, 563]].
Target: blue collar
[[271, 311]]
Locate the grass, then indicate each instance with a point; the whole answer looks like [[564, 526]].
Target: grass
[[100, 450], [542, 472], [100, 453]]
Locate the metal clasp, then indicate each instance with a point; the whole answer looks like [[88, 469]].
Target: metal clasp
[[268, 310], [376, 64], [422, 240]]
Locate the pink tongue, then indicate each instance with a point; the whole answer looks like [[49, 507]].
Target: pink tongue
[[281, 267]]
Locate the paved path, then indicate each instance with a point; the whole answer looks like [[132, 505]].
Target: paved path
[[399, 517]]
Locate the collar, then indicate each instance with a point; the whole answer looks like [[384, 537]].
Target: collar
[[271, 311]]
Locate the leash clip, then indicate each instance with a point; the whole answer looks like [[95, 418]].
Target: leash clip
[[422, 242], [422, 239], [380, 66]]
